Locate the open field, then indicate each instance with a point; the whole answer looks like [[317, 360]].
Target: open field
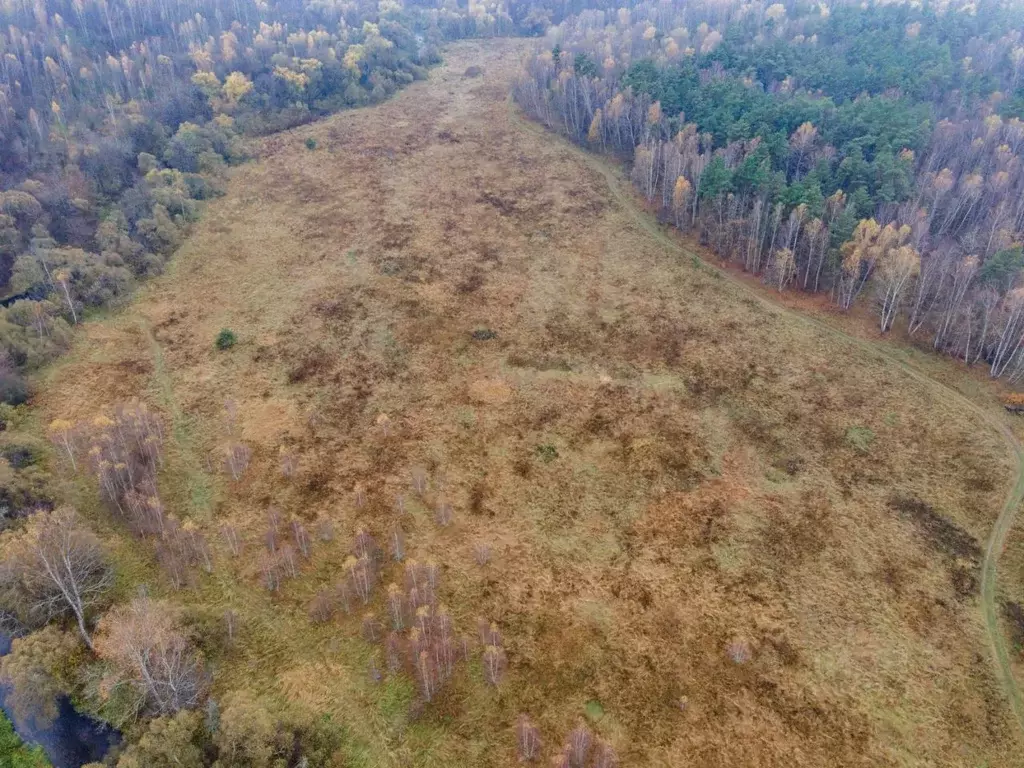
[[727, 536]]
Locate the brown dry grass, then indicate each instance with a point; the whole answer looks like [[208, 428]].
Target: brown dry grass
[[708, 485]]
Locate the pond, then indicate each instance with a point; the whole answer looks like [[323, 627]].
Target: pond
[[72, 740]]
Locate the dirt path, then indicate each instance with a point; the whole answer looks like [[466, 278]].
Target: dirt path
[[623, 191]]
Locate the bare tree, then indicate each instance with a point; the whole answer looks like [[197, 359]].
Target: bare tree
[[65, 435], [61, 568], [578, 747], [482, 553], [301, 538], [236, 459], [153, 655], [230, 534], [527, 740], [495, 664], [606, 757]]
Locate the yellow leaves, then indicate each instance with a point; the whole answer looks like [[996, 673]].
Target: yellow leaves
[[650, 32], [299, 80], [59, 427], [654, 113], [776, 11], [595, 132], [616, 106], [236, 86], [207, 82], [944, 181], [971, 183], [783, 267], [681, 193], [871, 244], [999, 181], [993, 123], [354, 55], [228, 47], [900, 262], [855, 249], [202, 58], [803, 136]]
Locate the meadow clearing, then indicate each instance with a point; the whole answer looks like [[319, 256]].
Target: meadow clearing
[[721, 535]]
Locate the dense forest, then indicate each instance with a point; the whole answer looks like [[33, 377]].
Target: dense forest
[[864, 151]]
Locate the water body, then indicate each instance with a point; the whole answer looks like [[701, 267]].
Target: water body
[[72, 740]]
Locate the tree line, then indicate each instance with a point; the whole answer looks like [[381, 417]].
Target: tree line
[[870, 152]]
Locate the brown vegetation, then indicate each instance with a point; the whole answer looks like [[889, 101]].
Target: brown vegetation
[[687, 494]]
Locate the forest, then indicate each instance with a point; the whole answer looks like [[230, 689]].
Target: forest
[[154, 557], [869, 153]]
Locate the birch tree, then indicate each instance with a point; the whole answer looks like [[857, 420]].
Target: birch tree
[[61, 569]]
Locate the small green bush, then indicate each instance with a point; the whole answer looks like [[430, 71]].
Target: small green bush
[[226, 339], [547, 453], [310, 143]]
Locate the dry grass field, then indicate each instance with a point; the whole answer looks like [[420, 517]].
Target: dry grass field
[[723, 536]]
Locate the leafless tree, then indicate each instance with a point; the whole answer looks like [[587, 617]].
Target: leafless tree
[[323, 605], [578, 746], [301, 538], [288, 561], [231, 625], [528, 742], [230, 534], [396, 543], [495, 663], [147, 647], [393, 651], [373, 630], [61, 568], [364, 545], [397, 607], [236, 459], [444, 514], [482, 553], [419, 480], [289, 462], [605, 756], [325, 530]]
